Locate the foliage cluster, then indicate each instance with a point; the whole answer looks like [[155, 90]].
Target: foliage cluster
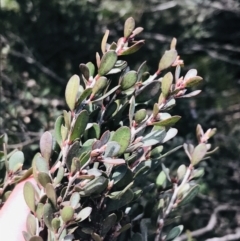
[[89, 169]]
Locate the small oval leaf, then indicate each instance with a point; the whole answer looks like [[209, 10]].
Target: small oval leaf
[[48, 215], [72, 91], [51, 194], [29, 195], [44, 179], [198, 153], [129, 79], [167, 59], [107, 62], [166, 84], [174, 233], [46, 145], [67, 214], [83, 214], [15, 159], [129, 27], [80, 125], [122, 136]]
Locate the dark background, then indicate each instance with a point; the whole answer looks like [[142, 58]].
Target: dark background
[[44, 41]]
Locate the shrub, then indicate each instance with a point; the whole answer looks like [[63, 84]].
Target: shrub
[[90, 167]]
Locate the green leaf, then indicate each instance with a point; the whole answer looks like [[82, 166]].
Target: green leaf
[[112, 149], [84, 159], [181, 171], [173, 43], [108, 223], [85, 71], [118, 194], [16, 159], [73, 151], [188, 148], [104, 41], [94, 131], [188, 197], [74, 200], [161, 179], [129, 79], [83, 214], [60, 175], [85, 94], [80, 125], [56, 223], [166, 84], [140, 115], [51, 194], [122, 136], [31, 224], [154, 137], [174, 233], [193, 81], [131, 110], [29, 195], [67, 118], [167, 59], [198, 153], [64, 132], [168, 122], [148, 92], [57, 129], [39, 211], [72, 91], [156, 152], [191, 73], [197, 173], [137, 31], [172, 132], [46, 145], [44, 179], [155, 110], [48, 215], [191, 94], [129, 27], [134, 48], [107, 62], [122, 176], [115, 204], [91, 68], [41, 164], [113, 46], [100, 84], [95, 186], [67, 214], [142, 68]]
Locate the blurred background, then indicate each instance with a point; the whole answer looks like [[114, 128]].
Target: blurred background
[[44, 41]]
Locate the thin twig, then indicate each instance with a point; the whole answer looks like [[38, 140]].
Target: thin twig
[[211, 223], [228, 237], [24, 143]]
